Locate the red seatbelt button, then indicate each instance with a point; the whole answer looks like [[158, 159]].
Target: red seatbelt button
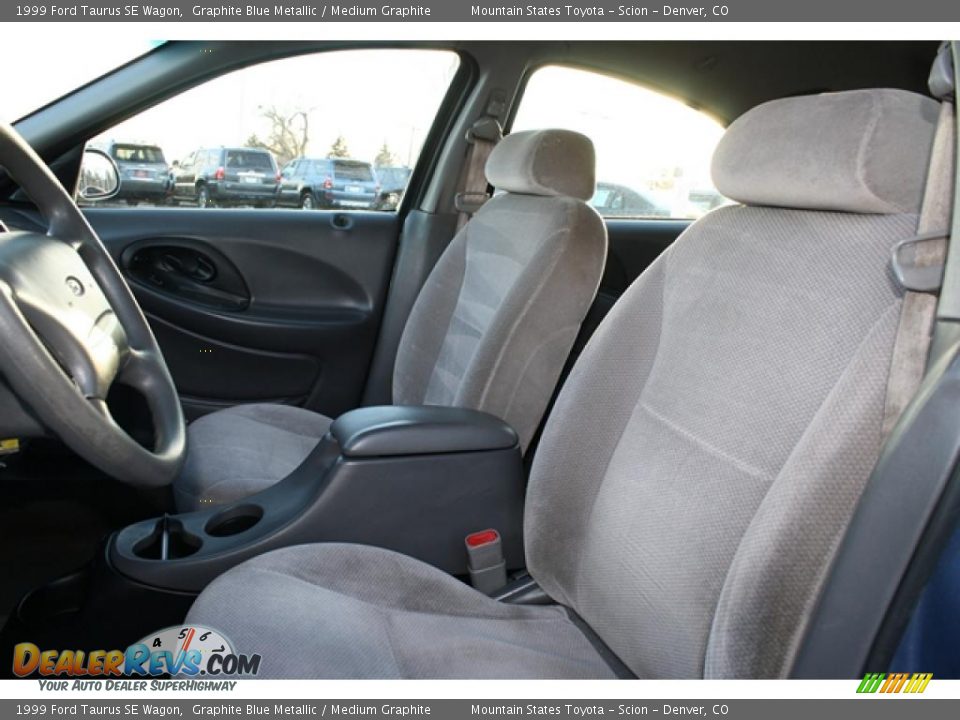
[[484, 537], [485, 561]]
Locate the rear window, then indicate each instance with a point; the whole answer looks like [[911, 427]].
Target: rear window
[[653, 152], [360, 172], [248, 160], [137, 153]]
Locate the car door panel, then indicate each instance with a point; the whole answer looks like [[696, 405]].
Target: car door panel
[[304, 295]]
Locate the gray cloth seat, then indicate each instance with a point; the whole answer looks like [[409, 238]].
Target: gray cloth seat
[[704, 457], [490, 329], [370, 611]]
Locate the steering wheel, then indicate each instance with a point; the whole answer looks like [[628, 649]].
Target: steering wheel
[[70, 328]]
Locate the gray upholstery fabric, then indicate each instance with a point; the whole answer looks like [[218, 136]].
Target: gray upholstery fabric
[[734, 399], [244, 449], [349, 611], [692, 484], [490, 330], [544, 162], [495, 321], [864, 151]]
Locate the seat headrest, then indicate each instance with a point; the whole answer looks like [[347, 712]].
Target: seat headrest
[[544, 162], [862, 151]]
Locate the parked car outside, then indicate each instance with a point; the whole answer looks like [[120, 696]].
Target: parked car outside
[[143, 172], [227, 176], [311, 183], [703, 200], [613, 200], [393, 182]]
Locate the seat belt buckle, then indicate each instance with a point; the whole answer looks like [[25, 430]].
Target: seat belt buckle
[[485, 561], [916, 268]]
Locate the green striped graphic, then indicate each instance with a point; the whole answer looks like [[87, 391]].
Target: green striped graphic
[[871, 682]]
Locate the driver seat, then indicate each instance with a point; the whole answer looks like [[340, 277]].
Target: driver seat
[[702, 461]]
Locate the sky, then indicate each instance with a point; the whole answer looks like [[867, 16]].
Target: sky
[[50, 77], [641, 136]]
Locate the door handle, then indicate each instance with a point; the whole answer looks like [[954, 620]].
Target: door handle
[[193, 265], [182, 270]]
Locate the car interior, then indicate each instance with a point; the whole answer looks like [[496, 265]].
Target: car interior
[[490, 429]]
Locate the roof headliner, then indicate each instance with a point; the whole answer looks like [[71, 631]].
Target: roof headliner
[[727, 78]]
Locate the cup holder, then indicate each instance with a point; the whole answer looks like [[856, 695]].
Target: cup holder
[[167, 541], [234, 521]]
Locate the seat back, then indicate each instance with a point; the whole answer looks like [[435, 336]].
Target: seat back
[[496, 318], [707, 451]]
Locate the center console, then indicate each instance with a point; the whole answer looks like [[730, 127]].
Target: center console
[[417, 480]]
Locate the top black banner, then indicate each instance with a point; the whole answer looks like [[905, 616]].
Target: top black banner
[[486, 11]]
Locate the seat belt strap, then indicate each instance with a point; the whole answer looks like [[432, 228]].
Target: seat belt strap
[[918, 264], [483, 136]]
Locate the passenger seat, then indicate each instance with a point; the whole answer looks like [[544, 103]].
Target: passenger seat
[[490, 330]]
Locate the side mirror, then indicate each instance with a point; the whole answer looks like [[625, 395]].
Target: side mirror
[[99, 176]]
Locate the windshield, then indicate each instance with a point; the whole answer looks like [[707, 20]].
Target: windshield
[[52, 77]]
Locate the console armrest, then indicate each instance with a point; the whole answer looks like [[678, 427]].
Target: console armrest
[[394, 430], [416, 480]]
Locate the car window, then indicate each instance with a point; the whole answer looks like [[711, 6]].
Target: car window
[[249, 160], [653, 152], [53, 75], [137, 153], [361, 172], [369, 108]]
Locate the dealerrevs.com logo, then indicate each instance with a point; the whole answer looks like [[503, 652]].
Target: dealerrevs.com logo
[[180, 651]]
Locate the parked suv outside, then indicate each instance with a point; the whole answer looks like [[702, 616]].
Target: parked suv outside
[[143, 172], [393, 182], [227, 176], [328, 183]]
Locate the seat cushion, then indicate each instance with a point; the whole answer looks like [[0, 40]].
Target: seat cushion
[[353, 611], [242, 450]]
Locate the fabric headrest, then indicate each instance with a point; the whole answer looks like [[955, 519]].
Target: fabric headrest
[[544, 162], [862, 151]]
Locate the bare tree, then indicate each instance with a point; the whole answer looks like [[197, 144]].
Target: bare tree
[[288, 136], [339, 148]]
